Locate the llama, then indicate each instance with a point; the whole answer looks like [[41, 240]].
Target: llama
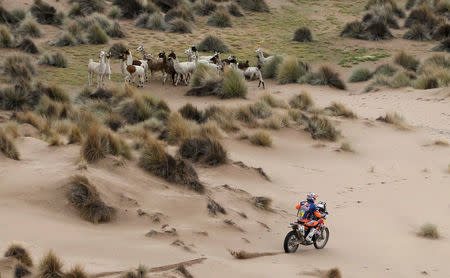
[[131, 71], [192, 53], [141, 63], [261, 58], [98, 69], [168, 68], [108, 65], [251, 73], [184, 69]]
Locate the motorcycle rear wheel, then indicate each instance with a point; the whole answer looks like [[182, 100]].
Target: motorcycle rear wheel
[[321, 241], [291, 242]]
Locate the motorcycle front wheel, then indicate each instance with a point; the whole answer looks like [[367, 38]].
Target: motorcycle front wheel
[[291, 242], [322, 239]]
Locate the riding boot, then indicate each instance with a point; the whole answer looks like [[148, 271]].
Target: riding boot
[[312, 231]]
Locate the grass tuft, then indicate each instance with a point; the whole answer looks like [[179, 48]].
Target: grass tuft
[[18, 68], [407, 61], [56, 59], [219, 19], [417, 32], [302, 101], [254, 5], [46, 13], [289, 71], [180, 26], [234, 85], [6, 39], [29, 27], [394, 119], [205, 7], [429, 231], [340, 110], [321, 128], [19, 252], [303, 34], [261, 138], [234, 10], [28, 46], [207, 151], [50, 266], [211, 43], [76, 271], [96, 35], [360, 74]]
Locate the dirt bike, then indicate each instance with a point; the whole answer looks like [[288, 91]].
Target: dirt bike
[[296, 237]]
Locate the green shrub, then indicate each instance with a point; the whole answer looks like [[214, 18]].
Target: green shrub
[[360, 74], [219, 19], [234, 85], [211, 43]]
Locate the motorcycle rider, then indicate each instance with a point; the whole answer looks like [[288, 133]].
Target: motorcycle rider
[[305, 212]]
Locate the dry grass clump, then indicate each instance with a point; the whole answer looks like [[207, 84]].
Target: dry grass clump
[[180, 12], [115, 12], [205, 81], [346, 147], [99, 142], [7, 17], [179, 25], [154, 21], [422, 15], [442, 32], [20, 271], [270, 68], [204, 150], [289, 70], [244, 255], [211, 43], [29, 27], [277, 121], [385, 69], [234, 10], [96, 35], [261, 202], [321, 128], [210, 130], [117, 49], [273, 101], [220, 19], [261, 138], [260, 109], [50, 266], [28, 46], [360, 74], [394, 119], [302, 101], [155, 160], [21, 254], [56, 59], [233, 85], [178, 129], [406, 61], [86, 199], [417, 32], [223, 117], [243, 114], [114, 121], [214, 208], [66, 39], [75, 135], [324, 76], [254, 5], [129, 8], [340, 110], [303, 34], [443, 46], [7, 146], [374, 31], [139, 108], [429, 231], [115, 31], [190, 112], [205, 7], [333, 273], [6, 39], [76, 271], [87, 7], [45, 13], [17, 97]]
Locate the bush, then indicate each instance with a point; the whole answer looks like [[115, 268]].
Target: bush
[[21, 254], [53, 92], [234, 10], [302, 101], [374, 30], [254, 5], [190, 112], [203, 150], [443, 46], [219, 19], [28, 46], [270, 68], [178, 129], [261, 110], [90, 6], [56, 60], [322, 128], [352, 29], [50, 266], [18, 68], [75, 10], [394, 119], [153, 22], [340, 110], [180, 12], [7, 17], [115, 31], [303, 34], [399, 80], [115, 121], [117, 49], [17, 97], [244, 115], [7, 146], [115, 12], [406, 61], [211, 43], [66, 39], [166, 5], [273, 101], [417, 33], [289, 70], [429, 231], [45, 13], [99, 142], [130, 8], [234, 85], [325, 76], [442, 32], [205, 7], [76, 272], [6, 39], [385, 69], [96, 35], [422, 15], [86, 199], [155, 160], [426, 82], [261, 138], [179, 26], [360, 74], [29, 27], [205, 81]]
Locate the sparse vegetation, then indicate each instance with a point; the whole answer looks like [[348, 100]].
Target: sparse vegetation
[[56, 59], [220, 19], [234, 10], [45, 13], [19, 252], [99, 142], [406, 61], [340, 110], [208, 151], [302, 101], [429, 231], [321, 128], [289, 71], [234, 85], [261, 138], [303, 34], [86, 199], [273, 101], [50, 266], [179, 25], [211, 43], [346, 147], [29, 27], [394, 119], [96, 35], [76, 271], [360, 74], [6, 39], [28, 46], [324, 76], [205, 7]]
